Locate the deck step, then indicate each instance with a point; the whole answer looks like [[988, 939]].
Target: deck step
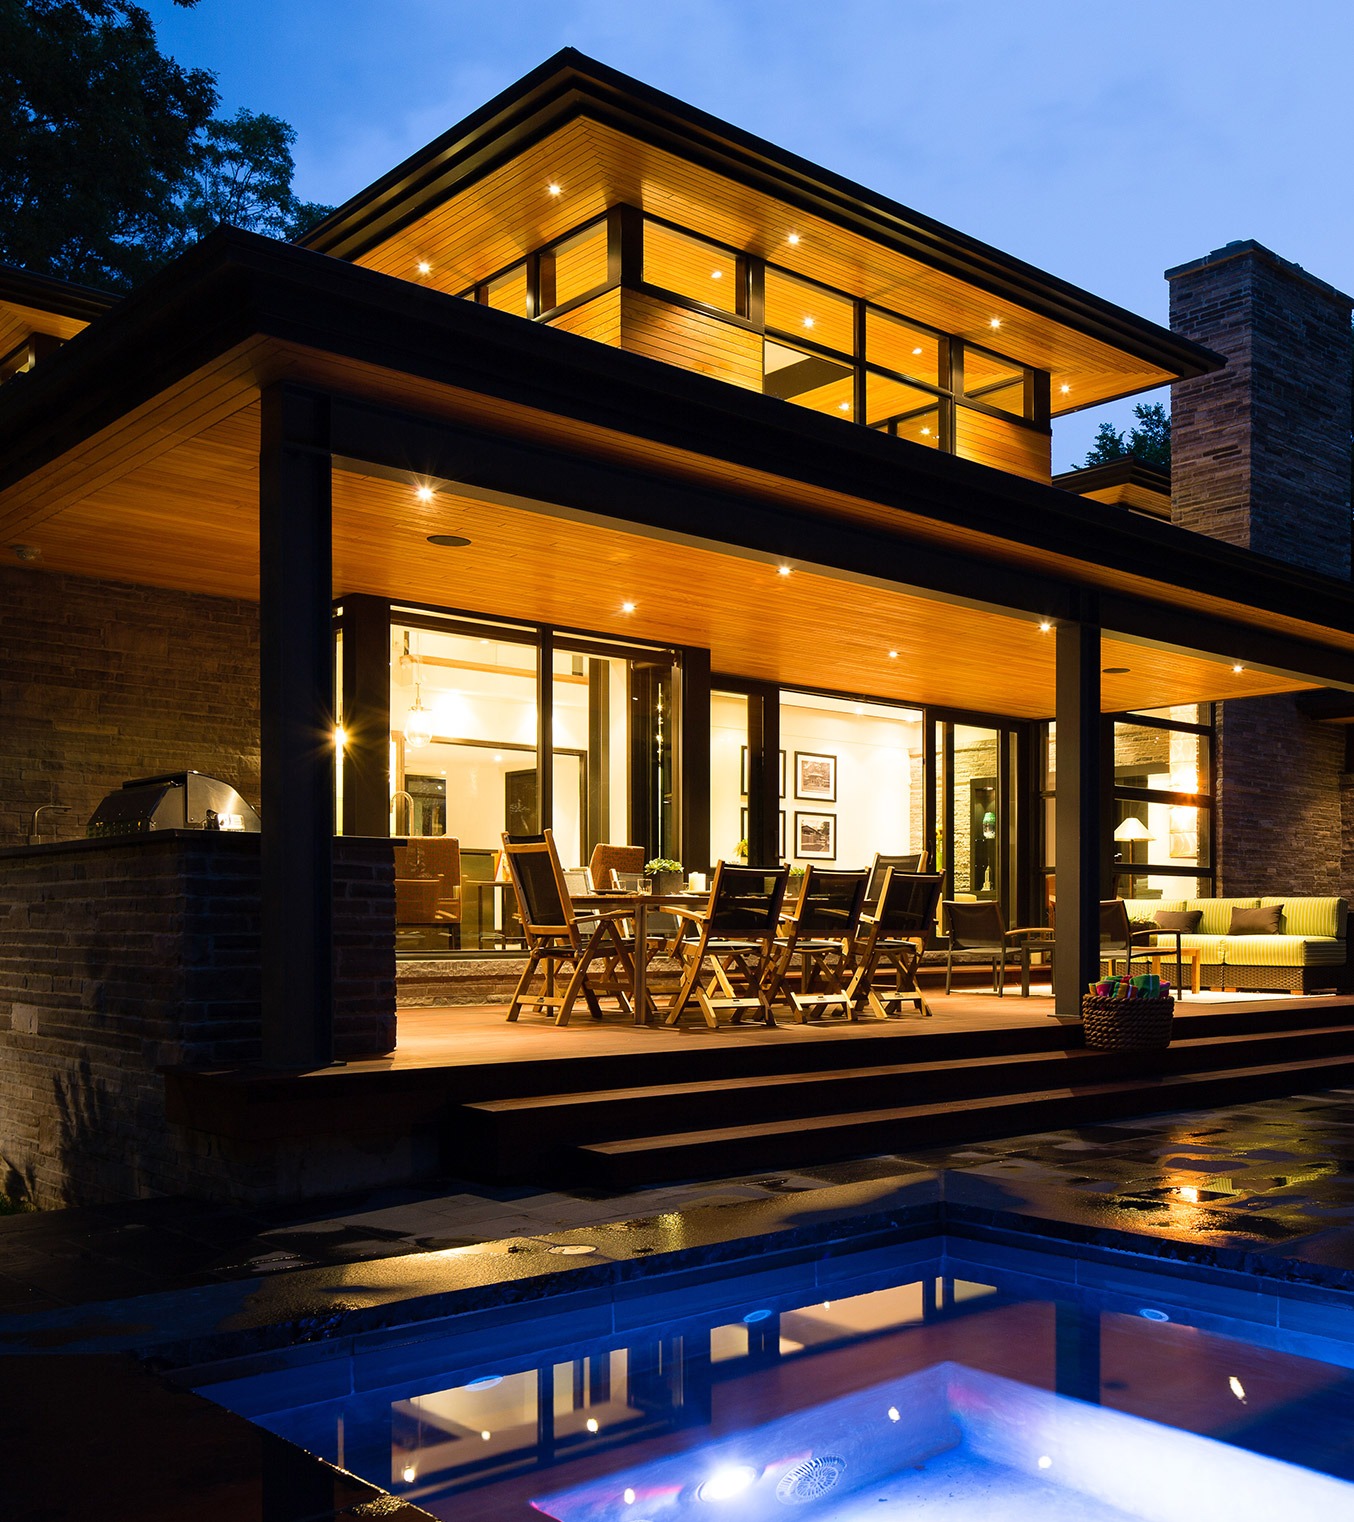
[[508, 1137], [816, 1139]]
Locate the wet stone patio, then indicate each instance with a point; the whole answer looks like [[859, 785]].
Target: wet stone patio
[[1268, 1185]]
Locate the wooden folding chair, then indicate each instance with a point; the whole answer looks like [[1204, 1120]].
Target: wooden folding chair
[[557, 941], [895, 935], [820, 932], [735, 934], [918, 861]]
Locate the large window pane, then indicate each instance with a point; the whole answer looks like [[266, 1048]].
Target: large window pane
[[900, 346], [574, 267], [809, 310], [808, 380], [591, 747], [888, 400], [728, 776], [463, 765], [994, 381], [854, 779], [508, 292], [692, 267]]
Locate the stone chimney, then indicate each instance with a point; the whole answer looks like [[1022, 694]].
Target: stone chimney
[[1261, 457], [1260, 451]]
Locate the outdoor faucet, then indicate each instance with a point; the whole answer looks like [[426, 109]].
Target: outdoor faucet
[[34, 835], [395, 815]]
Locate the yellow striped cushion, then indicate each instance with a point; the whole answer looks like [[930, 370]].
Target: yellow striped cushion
[[1218, 912], [1311, 916]]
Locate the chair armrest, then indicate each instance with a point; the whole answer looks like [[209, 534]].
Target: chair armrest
[[1043, 931], [690, 916]]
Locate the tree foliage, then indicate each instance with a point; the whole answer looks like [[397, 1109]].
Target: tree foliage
[[110, 160], [1149, 441]]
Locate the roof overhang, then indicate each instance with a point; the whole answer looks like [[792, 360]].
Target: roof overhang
[[571, 87], [145, 431]]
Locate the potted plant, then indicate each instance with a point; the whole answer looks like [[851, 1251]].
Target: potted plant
[[665, 874]]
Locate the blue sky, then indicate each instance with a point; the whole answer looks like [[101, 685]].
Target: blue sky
[[1102, 142]]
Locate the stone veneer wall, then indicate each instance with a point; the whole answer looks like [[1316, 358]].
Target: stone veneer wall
[[1261, 458], [118, 958], [101, 682]]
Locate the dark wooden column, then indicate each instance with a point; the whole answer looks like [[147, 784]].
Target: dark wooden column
[[1078, 810], [763, 775], [296, 728], [366, 715], [693, 758]]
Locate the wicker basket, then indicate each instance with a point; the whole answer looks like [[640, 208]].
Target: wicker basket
[[1126, 1024]]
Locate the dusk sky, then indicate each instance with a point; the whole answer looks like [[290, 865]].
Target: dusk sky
[[1103, 143]]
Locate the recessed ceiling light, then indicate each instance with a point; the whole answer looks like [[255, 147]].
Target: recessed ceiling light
[[926, 433], [808, 322], [1115, 671], [782, 570], [916, 351], [448, 541], [716, 274], [793, 240], [424, 493], [424, 268], [627, 607], [1238, 669], [893, 655], [843, 406], [1044, 626], [995, 322], [554, 189], [1064, 388]]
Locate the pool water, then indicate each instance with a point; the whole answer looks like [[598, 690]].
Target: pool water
[[947, 1378]]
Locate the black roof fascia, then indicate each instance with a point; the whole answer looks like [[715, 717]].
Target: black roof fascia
[[1125, 472], [48, 294], [235, 285], [571, 84]]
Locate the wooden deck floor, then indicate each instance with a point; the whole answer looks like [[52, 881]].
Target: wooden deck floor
[[465, 1035]]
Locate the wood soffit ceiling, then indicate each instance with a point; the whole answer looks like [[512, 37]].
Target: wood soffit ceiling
[[507, 213], [188, 519]]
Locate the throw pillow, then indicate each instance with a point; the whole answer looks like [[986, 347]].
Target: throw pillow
[[1187, 920], [1261, 921]]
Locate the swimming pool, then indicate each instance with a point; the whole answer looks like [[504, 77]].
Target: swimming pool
[[941, 1377]]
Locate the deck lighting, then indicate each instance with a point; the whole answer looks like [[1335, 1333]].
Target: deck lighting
[[793, 240], [424, 493], [424, 268], [554, 189], [727, 1482], [627, 607], [782, 570]]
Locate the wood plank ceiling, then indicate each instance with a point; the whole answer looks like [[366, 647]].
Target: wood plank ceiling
[[511, 211], [187, 518]]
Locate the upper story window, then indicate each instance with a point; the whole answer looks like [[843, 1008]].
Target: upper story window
[[574, 267], [695, 268]]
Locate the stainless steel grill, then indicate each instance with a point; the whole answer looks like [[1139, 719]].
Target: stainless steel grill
[[176, 801]]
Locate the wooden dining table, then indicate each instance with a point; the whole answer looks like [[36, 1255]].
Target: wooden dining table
[[637, 906]]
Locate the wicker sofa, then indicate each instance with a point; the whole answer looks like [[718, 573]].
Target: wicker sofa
[[1311, 952]]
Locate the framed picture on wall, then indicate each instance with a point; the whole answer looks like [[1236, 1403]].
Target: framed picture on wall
[[815, 836], [815, 777], [743, 772]]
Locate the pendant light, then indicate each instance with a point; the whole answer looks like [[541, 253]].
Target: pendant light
[[418, 722]]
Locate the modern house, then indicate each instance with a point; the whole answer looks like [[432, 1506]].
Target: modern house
[[605, 468]]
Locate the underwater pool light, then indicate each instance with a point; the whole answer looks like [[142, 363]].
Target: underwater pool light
[[726, 1482]]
